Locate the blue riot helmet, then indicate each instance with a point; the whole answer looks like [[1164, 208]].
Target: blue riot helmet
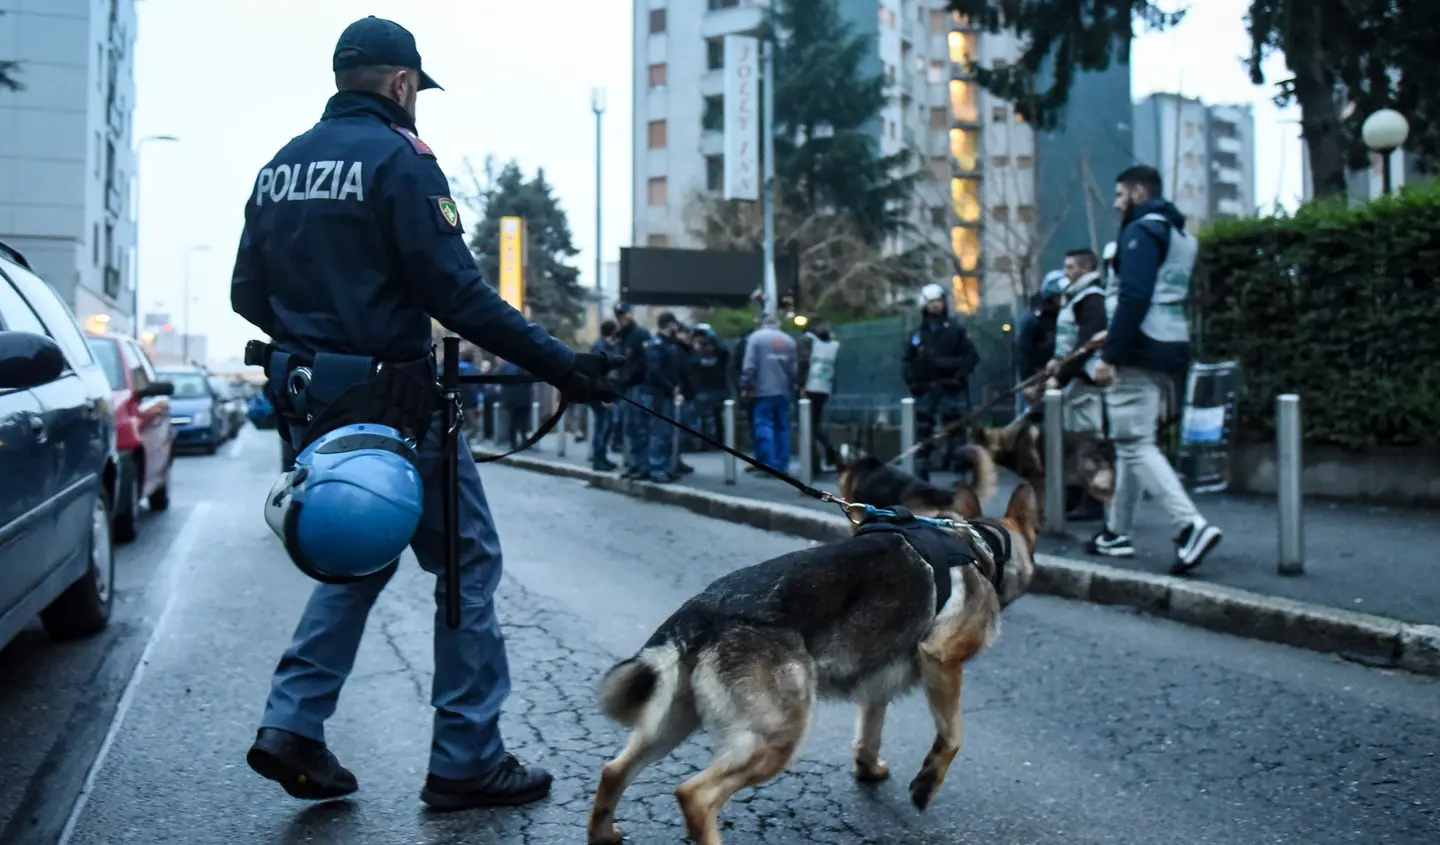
[[351, 504], [1054, 285]]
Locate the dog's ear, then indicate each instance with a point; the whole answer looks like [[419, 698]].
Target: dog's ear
[[966, 502], [1023, 513]]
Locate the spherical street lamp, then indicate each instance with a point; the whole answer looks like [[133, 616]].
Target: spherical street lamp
[[1385, 131]]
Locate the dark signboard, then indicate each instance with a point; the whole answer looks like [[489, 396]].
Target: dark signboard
[[700, 277]]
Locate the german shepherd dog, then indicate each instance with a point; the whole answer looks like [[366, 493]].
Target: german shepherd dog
[[870, 480], [854, 620], [1020, 448]]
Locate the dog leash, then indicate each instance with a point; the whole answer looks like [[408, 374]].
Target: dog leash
[[959, 425]]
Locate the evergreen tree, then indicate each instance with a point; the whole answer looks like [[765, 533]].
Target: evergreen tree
[[826, 113], [1379, 52], [552, 290]]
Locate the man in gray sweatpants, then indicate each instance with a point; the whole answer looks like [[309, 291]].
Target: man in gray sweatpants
[[1146, 352]]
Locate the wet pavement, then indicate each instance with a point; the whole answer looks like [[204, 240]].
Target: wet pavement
[[1367, 558], [1084, 724]]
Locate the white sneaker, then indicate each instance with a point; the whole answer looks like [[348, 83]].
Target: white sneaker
[[1193, 543]]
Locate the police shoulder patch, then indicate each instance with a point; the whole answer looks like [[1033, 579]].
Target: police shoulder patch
[[449, 214], [420, 147]]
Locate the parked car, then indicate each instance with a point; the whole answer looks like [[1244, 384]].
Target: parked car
[[231, 405], [143, 435], [58, 463], [196, 414]]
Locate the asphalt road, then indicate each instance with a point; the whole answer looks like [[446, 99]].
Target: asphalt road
[[1084, 724]]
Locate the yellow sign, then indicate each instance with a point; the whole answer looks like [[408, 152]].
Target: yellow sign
[[512, 261]]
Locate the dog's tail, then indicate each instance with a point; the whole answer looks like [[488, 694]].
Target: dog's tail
[[627, 688], [984, 477]]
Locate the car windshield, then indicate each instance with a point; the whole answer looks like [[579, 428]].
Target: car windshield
[[220, 387], [187, 385], [107, 352]]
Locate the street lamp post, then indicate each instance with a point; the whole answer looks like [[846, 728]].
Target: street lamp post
[[185, 338], [1385, 131], [135, 282], [597, 105]]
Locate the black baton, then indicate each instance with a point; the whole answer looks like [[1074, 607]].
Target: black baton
[[450, 460]]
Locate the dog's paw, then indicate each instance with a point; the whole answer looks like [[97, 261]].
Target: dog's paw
[[871, 772], [923, 787], [611, 836]]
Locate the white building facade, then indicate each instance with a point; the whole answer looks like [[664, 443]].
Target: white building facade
[[1205, 154], [935, 110], [67, 164]]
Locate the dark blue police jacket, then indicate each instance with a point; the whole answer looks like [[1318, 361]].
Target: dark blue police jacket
[[352, 242], [664, 363]]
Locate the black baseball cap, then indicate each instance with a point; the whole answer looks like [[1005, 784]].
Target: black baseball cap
[[376, 41]]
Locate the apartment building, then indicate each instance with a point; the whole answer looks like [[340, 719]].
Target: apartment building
[[1205, 154], [66, 159], [978, 197]]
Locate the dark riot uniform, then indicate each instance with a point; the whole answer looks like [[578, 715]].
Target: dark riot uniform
[[351, 243]]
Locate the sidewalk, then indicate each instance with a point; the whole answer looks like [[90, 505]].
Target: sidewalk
[[1377, 560]]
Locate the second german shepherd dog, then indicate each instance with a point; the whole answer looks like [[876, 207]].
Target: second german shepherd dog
[[1020, 448], [864, 620]]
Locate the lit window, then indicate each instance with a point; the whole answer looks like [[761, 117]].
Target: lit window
[[965, 147], [962, 47], [965, 293], [965, 196], [658, 135], [962, 101], [965, 243], [656, 189]]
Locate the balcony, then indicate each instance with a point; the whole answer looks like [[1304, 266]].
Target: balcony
[[1230, 207], [1228, 144], [734, 20], [113, 204], [1229, 175], [115, 120]]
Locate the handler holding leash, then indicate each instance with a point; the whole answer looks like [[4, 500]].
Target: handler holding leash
[[351, 243]]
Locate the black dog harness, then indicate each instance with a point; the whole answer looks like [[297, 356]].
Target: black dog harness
[[939, 545]]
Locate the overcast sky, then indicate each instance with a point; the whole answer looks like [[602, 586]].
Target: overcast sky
[[236, 79]]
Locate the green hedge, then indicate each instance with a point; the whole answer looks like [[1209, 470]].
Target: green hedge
[[1339, 305]]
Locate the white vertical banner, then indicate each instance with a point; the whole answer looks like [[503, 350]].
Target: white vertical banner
[[742, 118]]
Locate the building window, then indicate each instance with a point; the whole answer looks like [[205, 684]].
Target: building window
[[1024, 161], [657, 75], [999, 114], [891, 124], [935, 73], [95, 246], [1025, 213], [1000, 213], [99, 153], [99, 67], [965, 196], [938, 217], [713, 118], [655, 190], [657, 135], [1000, 161], [938, 119], [890, 73], [723, 4], [715, 172], [962, 48], [661, 240], [937, 20], [890, 13], [965, 243], [1004, 263], [940, 168], [962, 101], [965, 148], [714, 54], [965, 293], [657, 21]]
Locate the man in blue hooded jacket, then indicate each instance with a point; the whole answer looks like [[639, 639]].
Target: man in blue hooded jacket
[[1146, 354]]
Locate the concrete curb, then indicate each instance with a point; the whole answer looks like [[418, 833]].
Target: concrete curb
[[1374, 640]]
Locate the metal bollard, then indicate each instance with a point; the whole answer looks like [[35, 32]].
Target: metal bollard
[[1289, 468], [562, 432], [1054, 462], [675, 435], [907, 434], [534, 417], [729, 420], [807, 443]]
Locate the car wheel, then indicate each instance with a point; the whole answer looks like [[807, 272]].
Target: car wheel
[[127, 496], [84, 609]]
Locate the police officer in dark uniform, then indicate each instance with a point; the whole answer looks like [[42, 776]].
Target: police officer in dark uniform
[[351, 243]]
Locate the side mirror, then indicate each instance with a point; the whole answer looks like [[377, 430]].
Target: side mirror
[[28, 360], [156, 388]]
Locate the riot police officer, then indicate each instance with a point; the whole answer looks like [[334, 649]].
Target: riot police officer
[[351, 242]]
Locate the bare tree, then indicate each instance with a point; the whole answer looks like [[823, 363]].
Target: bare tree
[[837, 269]]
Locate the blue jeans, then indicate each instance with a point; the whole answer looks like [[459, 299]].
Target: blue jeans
[[771, 415], [662, 435], [600, 419], [472, 673], [637, 430]]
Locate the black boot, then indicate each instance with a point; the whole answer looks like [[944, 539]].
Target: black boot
[[303, 766], [510, 784]]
